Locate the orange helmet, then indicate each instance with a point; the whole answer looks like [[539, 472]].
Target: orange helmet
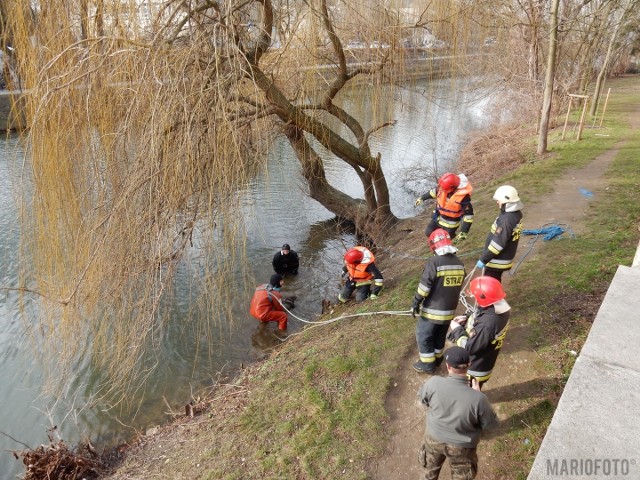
[[449, 182], [439, 238], [353, 256], [486, 290]]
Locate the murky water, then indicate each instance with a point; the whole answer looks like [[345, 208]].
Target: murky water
[[277, 212]]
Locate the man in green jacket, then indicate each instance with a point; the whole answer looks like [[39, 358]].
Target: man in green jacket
[[456, 416]]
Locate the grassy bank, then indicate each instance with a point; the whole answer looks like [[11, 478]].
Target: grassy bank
[[315, 409]]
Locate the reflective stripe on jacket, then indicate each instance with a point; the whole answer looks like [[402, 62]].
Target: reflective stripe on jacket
[[440, 286], [501, 244]]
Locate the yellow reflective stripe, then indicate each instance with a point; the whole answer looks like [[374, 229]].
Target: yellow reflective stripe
[[448, 224], [427, 357], [437, 318], [459, 272], [500, 266], [480, 376], [366, 282]]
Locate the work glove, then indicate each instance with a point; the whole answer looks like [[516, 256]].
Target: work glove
[[461, 237], [454, 325], [415, 308], [344, 271], [480, 264], [373, 296], [461, 319], [419, 201]]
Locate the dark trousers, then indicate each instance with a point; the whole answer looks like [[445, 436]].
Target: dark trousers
[[463, 461], [362, 292], [433, 224], [492, 272], [430, 337]]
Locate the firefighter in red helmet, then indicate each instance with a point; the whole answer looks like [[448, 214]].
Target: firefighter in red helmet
[[362, 275], [453, 206], [482, 333], [436, 300]]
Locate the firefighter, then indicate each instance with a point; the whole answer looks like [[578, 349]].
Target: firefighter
[[436, 300], [482, 333], [362, 275], [502, 242], [453, 206], [266, 304]]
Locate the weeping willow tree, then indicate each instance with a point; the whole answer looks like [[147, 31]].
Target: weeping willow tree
[[147, 119]]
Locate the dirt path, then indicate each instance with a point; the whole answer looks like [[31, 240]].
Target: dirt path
[[515, 375]]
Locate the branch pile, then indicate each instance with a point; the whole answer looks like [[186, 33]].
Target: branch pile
[[57, 461]]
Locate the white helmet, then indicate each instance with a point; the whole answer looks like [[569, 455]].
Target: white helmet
[[506, 194]]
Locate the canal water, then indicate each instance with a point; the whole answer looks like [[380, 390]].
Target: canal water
[[428, 136]]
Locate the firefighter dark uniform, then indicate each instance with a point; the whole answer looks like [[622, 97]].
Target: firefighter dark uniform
[[437, 298], [502, 243], [483, 336], [363, 277], [266, 306], [452, 209]]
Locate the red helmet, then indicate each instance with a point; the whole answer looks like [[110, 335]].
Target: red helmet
[[439, 238], [486, 290], [353, 256], [449, 182]]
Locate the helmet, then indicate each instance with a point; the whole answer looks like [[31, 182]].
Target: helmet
[[506, 194], [486, 290], [449, 182], [353, 256], [275, 280], [439, 238]]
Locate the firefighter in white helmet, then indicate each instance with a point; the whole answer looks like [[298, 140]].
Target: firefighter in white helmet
[[502, 242]]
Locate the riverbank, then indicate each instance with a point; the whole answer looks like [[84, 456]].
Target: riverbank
[[327, 403]]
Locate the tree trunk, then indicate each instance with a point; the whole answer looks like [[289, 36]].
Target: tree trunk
[[549, 79], [603, 71]]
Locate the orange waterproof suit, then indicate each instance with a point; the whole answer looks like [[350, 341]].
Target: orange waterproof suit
[[266, 306]]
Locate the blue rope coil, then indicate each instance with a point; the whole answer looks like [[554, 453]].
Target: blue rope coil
[[549, 233]]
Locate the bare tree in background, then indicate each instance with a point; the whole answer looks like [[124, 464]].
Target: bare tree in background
[[149, 119], [549, 79]]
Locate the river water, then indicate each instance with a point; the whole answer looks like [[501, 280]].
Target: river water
[[428, 135]]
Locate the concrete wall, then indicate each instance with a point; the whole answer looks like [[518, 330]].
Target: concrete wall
[[595, 430]]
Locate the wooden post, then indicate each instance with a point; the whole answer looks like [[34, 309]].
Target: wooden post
[[604, 109], [566, 120], [584, 113]]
